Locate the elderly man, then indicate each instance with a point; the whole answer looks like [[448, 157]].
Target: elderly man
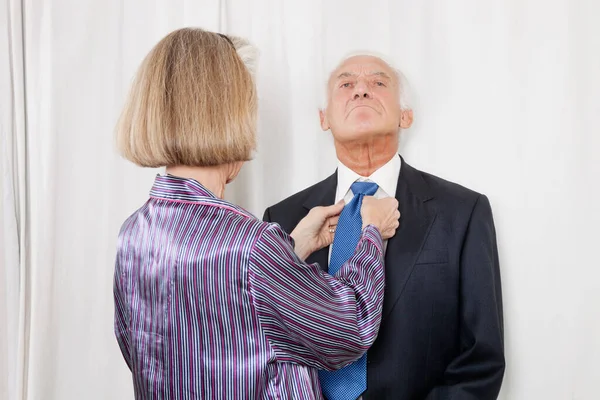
[[442, 331]]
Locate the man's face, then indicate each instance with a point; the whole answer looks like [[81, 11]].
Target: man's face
[[363, 100]]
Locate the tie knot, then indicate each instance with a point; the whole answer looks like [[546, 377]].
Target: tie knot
[[365, 188]]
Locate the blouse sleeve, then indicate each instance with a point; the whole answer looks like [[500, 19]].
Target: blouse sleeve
[[309, 316]]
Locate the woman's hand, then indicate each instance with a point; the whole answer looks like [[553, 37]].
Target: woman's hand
[[383, 214], [316, 230]]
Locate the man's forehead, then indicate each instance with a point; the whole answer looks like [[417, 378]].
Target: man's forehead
[[373, 72], [369, 65]]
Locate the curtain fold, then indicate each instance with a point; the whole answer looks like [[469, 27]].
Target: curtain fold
[[14, 262]]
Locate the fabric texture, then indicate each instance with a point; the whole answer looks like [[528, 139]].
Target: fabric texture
[[212, 303]]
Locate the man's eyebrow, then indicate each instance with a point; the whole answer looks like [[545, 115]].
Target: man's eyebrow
[[345, 75], [381, 74], [374, 73]]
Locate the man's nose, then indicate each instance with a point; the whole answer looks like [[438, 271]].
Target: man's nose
[[361, 91]]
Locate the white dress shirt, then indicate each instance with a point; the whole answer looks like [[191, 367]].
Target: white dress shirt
[[385, 177]]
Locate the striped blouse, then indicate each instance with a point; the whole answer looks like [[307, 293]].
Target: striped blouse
[[212, 303]]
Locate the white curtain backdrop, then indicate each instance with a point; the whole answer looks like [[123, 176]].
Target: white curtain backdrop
[[506, 97]]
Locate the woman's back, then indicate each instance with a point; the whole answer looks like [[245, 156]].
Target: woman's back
[[182, 276], [212, 303]]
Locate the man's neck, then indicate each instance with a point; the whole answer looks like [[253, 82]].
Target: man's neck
[[367, 156]]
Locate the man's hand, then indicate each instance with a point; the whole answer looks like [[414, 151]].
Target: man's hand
[[316, 230]]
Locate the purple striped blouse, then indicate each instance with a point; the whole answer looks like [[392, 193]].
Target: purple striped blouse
[[212, 303]]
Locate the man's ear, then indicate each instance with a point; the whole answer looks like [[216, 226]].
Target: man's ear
[[406, 118], [323, 120]]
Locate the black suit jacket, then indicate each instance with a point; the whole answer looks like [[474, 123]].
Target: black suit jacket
[[441, 335]]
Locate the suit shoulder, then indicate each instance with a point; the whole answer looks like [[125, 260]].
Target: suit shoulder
[[456, 202], [299, 198], [452, 194], [443, 187]]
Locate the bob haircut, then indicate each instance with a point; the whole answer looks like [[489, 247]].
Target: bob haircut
[[193, 102]]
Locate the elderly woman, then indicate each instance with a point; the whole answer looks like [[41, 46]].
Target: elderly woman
[[210, 302]]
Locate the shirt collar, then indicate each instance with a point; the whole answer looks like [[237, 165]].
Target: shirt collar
[[186, 190], [176, 188], [385, 177]]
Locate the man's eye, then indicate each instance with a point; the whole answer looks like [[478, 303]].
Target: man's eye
[[380, 83], [345, 85]]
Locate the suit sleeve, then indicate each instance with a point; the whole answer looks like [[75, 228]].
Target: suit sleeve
[[477, 372], [308, 316]]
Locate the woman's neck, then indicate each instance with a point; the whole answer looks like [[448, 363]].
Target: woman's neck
[[212, 178]]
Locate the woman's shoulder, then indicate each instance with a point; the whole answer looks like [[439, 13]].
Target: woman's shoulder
[[206, 218]]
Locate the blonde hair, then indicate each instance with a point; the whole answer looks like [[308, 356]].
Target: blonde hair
[[193, 102]]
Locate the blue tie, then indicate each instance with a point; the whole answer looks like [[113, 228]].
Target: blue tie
[[349, 382]]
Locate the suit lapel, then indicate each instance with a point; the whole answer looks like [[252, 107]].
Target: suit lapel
[[415, 221], [403, 249], [322, 195]]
